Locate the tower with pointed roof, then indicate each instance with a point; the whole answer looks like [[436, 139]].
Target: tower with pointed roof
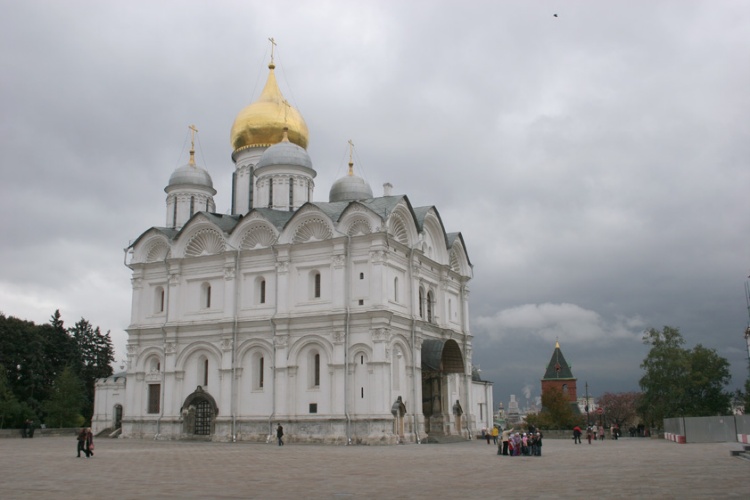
[[346, 319], [558, 375]]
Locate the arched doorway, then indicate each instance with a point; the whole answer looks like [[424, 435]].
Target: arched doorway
[[199, 414], [439, 359]]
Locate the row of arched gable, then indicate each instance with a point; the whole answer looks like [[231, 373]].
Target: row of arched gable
[[210, 234], [152, 358]]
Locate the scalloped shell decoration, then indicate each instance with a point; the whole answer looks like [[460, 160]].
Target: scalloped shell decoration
[[398, 230], [157, 251], [257, 236], [359, 226], [312, 230], [205, 242], [455, 264]]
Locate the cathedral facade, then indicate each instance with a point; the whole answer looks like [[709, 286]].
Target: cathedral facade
[[346, 321]]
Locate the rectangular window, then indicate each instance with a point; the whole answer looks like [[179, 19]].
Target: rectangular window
[[317, 285], [260, 375], [205, 373], [317, 370], [313, 407], [154, 397], [263, 291]]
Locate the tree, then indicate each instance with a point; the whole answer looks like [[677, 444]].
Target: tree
[[557, 412], [93, 353], [12, 412], [621, 407], [66, 401], [681, 382]]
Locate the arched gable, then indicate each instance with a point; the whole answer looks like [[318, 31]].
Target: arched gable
[[357, 220], [199, 237], [254, 233], [253, 344], [145, 355], [433, 236], [308, 341], [307, 225], [400, 343], [459, 258], [401, 224], [196, 347], [356, 349], [153, 247]]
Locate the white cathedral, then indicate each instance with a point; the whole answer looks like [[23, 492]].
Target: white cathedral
[[346, 321]]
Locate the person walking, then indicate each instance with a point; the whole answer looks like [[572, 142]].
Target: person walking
[[495, 433], [280, 435], [577, 435], [81, 438], [89, 442], [601, 432]]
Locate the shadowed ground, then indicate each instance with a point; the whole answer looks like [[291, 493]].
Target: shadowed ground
[[47, 467]]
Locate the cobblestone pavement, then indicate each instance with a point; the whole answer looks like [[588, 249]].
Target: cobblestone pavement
[[47, 467]]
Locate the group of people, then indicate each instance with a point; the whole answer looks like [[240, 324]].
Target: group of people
[[516, 444], [85, 442], [491, 434], [592, 431]]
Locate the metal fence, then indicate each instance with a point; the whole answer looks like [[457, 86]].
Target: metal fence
[[723, 429]]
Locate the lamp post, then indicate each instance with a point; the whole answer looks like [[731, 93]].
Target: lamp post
[[587, 404]]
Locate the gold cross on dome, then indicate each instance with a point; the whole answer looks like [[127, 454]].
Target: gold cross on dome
[[351, 161], [273, 44], [193, 131]]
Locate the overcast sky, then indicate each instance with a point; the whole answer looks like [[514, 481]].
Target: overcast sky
[[596, 162]]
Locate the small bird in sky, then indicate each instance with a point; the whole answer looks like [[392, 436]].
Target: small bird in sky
[[554, 15]]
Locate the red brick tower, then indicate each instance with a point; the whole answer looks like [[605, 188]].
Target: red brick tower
[[559, 376]]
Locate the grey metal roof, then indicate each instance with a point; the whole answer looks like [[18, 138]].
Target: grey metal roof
[[192, 175], [287, 154], [350, 188], [278, 218], [442, 356]]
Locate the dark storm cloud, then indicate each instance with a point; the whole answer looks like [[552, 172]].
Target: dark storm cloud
[[595, 162]]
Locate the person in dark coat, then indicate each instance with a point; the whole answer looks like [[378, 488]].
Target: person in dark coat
[[280, 434], [81, 438]]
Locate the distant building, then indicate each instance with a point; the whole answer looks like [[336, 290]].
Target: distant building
[[559, 376], [514, 413]]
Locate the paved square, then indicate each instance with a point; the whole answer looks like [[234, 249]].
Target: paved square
[[47, 467]]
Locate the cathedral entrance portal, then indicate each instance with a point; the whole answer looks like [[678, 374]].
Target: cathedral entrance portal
[[199, 414], [439, 359]]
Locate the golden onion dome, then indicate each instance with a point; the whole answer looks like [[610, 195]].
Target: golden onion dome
[[262, 123]]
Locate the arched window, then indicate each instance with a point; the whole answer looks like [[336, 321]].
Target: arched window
[[203, 370], [206, 295], [450, 310], [565, 389], [192, 205], [174, 213], [262, 291], [317, 370], [261, 373], [207, 204], [291, 194], [154, 364], [159, 298], [428, 303], [316, 285], [421, 302], [314, 369], [270, 193], [395, 289]]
